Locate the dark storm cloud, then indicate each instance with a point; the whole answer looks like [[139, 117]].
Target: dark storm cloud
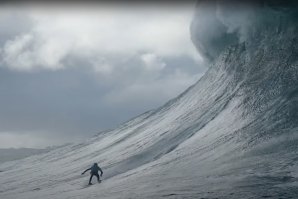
[[76, 103]]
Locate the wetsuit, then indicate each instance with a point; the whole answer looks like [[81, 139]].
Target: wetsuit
[[94, 172]]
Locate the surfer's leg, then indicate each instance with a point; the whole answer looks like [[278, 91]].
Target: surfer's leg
[[90, 178], [97, 177]]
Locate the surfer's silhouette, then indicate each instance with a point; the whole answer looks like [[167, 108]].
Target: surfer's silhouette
[[94, 172]]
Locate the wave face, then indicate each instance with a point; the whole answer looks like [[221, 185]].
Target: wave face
[[234, 134]]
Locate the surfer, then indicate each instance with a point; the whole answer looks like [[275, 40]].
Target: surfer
[[94, 172]]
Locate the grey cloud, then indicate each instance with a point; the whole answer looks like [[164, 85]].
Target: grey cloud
[[13, 24], [75, 103], [59, 87], [54, 37]]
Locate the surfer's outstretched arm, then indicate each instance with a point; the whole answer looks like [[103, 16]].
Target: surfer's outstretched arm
[[86, 170], [101, 172]]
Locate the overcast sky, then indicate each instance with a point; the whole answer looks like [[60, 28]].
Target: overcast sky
[[67, 73]]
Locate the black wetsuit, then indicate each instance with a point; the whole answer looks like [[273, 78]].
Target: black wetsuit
[[94, 172]]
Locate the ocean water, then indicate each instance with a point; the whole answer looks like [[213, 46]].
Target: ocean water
[[234, 134]]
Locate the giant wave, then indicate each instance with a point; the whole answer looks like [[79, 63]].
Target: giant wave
[[234, 134]]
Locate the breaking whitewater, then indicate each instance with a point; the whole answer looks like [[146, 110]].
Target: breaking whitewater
[[234, 134]]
